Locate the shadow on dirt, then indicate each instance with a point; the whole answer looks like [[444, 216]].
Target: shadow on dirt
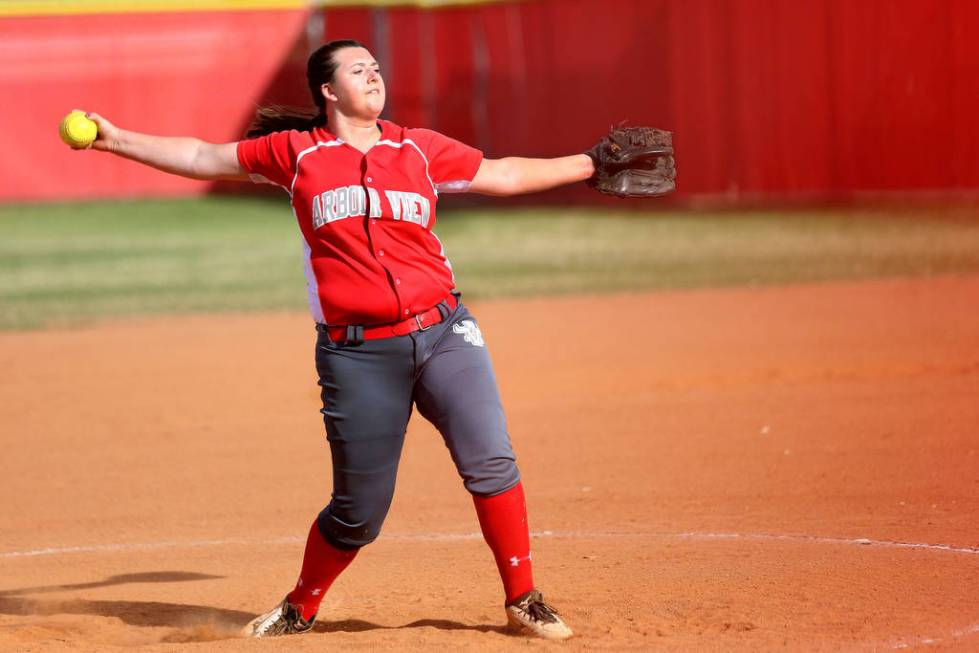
[[359, 626], [120, 579], [134, 613], [198, 622], [191, 622]]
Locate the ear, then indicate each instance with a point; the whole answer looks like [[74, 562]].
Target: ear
[[328, 93]]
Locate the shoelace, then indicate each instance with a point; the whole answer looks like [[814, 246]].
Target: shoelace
[[287, 622], [540, 611]]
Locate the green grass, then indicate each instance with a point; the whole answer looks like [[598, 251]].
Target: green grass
[[75, 263]]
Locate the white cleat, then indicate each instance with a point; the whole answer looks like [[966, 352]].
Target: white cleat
[[529, 612], [283, 619]]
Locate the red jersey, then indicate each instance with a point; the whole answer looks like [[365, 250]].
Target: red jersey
[[366, 219]]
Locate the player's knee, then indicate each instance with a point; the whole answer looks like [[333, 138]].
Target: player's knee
[[491, 477], [350, 531]]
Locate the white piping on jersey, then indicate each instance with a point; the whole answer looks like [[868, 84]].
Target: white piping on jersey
[[410, 142], [312, 287], [445, 259], [453, 186], [299, 157]]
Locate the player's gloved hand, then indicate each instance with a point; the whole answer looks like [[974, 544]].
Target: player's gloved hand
[[634, 162]]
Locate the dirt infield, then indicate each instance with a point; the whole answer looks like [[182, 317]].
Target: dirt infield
[[755, 469]]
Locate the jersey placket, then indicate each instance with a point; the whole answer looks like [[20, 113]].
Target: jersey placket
[[378, 235]]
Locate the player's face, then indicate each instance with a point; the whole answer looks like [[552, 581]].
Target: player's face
[[357, 86]]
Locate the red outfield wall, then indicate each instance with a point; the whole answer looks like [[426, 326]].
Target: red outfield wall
[[172, 73], [820, 99]]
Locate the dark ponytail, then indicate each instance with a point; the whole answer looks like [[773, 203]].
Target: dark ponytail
[[319, 70]]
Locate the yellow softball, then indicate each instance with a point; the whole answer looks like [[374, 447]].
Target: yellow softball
[[78, 131]]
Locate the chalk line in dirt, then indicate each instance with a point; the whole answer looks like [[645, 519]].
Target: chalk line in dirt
[[894, 644], [449, 537]]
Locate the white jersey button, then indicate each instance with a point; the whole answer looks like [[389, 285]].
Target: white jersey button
[[407, 312], [380, 252], [369, 179], [397, 281]]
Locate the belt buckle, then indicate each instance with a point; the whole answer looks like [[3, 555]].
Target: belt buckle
[[418, 321]]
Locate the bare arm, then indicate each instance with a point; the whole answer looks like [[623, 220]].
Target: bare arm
[[514, 175], [178, 155]]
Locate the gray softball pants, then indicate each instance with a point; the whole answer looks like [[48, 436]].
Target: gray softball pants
[[368, 390]]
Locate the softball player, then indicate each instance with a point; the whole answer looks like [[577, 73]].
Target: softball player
[[392, 333]]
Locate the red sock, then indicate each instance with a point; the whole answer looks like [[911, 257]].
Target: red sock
[[503, 519], [322, 563]]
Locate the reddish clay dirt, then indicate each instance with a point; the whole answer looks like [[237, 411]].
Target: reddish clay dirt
[[728, 470]]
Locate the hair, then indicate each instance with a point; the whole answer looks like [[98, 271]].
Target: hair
[[320, 70]]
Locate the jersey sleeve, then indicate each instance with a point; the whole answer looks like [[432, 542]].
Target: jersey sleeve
[[269, 159], [451, 163]]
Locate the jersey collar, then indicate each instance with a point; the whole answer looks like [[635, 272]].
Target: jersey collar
[[383, 125]]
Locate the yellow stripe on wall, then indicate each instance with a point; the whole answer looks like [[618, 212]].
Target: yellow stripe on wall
[[73, 7]]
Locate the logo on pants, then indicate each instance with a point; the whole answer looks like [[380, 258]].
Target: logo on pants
[[469, 331]]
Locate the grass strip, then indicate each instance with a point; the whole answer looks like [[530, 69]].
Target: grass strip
[[64, 264]]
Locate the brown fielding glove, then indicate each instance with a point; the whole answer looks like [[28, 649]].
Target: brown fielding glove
[[634, 162]]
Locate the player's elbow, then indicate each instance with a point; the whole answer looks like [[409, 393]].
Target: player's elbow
[[200, 164], [211, 161], [510, 179]]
